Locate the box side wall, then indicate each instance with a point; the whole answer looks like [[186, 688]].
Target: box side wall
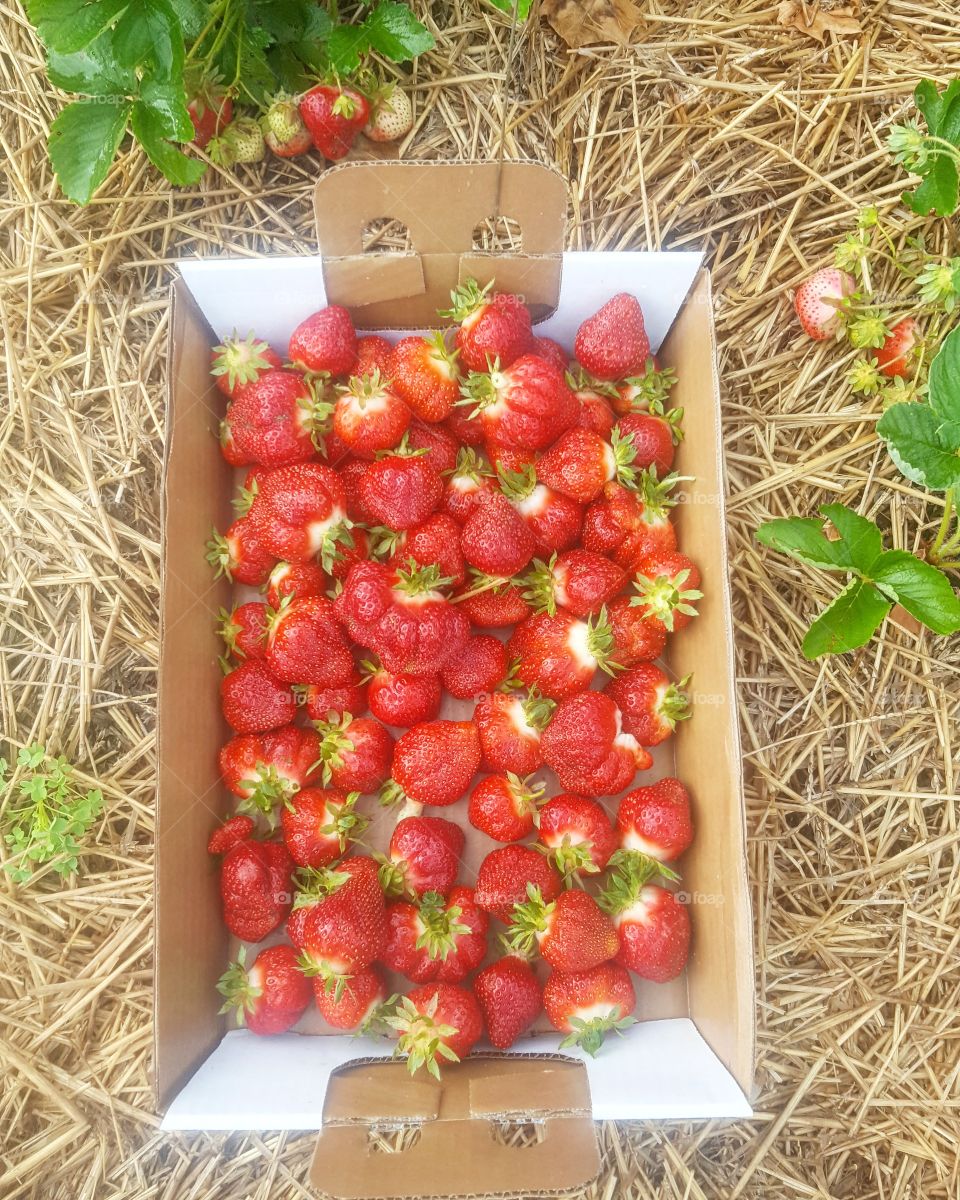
[[191, 942], [707, 749]]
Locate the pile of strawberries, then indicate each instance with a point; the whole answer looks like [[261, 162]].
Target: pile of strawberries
[[484, 525]]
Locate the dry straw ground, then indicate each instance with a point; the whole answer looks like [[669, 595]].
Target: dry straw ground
[[718, 130]]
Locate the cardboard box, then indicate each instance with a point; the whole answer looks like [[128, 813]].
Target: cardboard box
[[691, 1055]]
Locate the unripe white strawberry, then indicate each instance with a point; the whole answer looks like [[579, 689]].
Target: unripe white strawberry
[[246, 140], [391, 115], [283, 128]]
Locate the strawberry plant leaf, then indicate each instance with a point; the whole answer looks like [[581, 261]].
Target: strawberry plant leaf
[[944, 381], [849, 622], [522, 7], [939, 190], [192, 15], [344, 47], [803, 538], [149, 32], [393, 31], [83, 140], [920, 588], [166, 100], [151, 127], [92, 71], [66, 26], [922, 444], [861, 537]]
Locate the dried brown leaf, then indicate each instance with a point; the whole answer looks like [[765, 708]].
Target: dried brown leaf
[[820, 18], [587, 22]]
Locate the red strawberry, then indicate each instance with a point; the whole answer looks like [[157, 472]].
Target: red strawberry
[[295, 579], [613, 343], [254, 700], [345, 927], [505, 874], [636, 637], [655, 820], [301, 512], [580, 463], [492, 327], [647, 391], [491, 603], [668, 587], [585, 746], [319, 825], [652, 437], [436, 938], [255, 884], [552, 351], [274, 419], [209, 106], [369, 415], [560, 654], [232, 831], [271, 996], [654, 927], [433, 762], [425, 374], [334, 116], [241, 553], [495, 538], [400, 489], [581, 581], [509, 460], [510, 997], [479, 666], [526, 405], [332, 447], [504, 807], [244, 630], [238, 361], [353, 546], [898, 354], [468, 485], [572, 932], [323, 703], [436, 1022], [351, 472], [510, 727], [464, 427], [355, 753], [424, 856], [595, 413], [373, 354], [819, 301], [305, 644], [359, 999], [404, 700], [440, 445], [586, 1005], [436, 541], [553, 519], [630, 528], [651, 705], [265, 770], [325, 342], [578, 834]]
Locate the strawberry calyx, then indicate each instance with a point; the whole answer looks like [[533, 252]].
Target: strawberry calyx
[[650, 389], [440, 926], [333, 538], [469, 466], [403, 449], [441, 355], [630, 872], [274, 616], [316, 883], [581, 380], [417, 580], [392, 793], [218, 555], [661, 596], [624, 456], [238, 991], [571, 859], [243, 501], [240, 359], [589, 1035], [511, 682], [529, 919], [228, 629], [267, 789], [600, 642], [466, 300], [365, 387], [345, 106], [526, 796], [537, 710], [384, 541], [333, 742], [393, 877], [483, 583], [334, 981], [517, 485], [655, 493], [421, 1038], [345, 824], [674, 704]]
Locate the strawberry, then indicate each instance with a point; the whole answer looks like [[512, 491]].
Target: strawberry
[[209, 106], [508, 460], [479, 667], [436, 541], [230, 833], [668, 587], [436, 938], [373, 354], [305, 644], [492, 327], [355, 753], [369, 415], [654, 927], [651, 705], [439, 445], [391, 115], [325, 342], [505, 874], [271, 995], [319, 825], [467, 485], [578, 834], [464, 427], [244, 630], [510, 997], [424, 372], [241, 553], [424, 856], [247, 492], [572, 932], [655, 820], [239, 142], [652, 437], [359, 999], [402, 616], [580, 463], [274, 419], [265, 770], [596, 413], [401, 489], [820, 300], [433, 762], [345, 927], [351, 472], [255, 884], [587, 1005], [581, 581], [301, 511], [283, 128], [295, 580], [526, 405], [637, 638], [628, 527], [504, 807], [898, 354], [553, 518], [613, 342], [399, 699], [495, 539], [510, 727], [585, 746], [353, 546], [491, 603], [334, 116], [239, 361], [254, 700], [436, 1022], [332, 447], [323, 703], [648, 391], [552, 351], [560, 654]]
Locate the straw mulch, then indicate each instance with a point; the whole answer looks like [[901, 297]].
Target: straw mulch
[[722, 131]]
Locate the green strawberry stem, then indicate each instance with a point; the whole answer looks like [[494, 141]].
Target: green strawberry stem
[[237, 990], [539, 586], [465, 300], [600, 642], [333, 742], [663, 595], [589, 1035], [529, 918], [572, 859], [441, 928], [417, 580], [421, 1039]]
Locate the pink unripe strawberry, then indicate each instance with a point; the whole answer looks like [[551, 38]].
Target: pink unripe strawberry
[[818, 301]]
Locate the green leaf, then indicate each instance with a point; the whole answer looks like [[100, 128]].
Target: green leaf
[[168, 101], [944, 386], [66, 26], [149, 32], [848, 622], [922, 445], [803, 538], [395, 32], [83, 141], [148, 126], [344, 47], [923, 590], [192, 16], [860, 536], [523, 7], [939, 191], [92, 71]]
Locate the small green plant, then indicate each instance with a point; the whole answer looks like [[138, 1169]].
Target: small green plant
[[934, 155], [48, 814]]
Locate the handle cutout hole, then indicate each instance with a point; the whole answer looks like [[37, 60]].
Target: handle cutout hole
[[518, 1135], [394, 1138], [384, 235], [498, 235]]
